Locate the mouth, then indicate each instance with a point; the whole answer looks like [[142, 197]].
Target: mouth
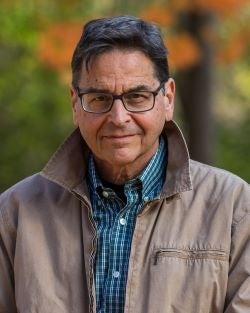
[[119, 138]]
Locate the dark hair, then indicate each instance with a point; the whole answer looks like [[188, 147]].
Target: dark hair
[[122, 32]]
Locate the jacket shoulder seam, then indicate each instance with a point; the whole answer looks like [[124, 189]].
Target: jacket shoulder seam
[[4, 219], [242, 219]]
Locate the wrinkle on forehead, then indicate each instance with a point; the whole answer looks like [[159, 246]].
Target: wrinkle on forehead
[[119, 71]]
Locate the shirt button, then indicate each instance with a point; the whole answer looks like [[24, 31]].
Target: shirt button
[[105, 194], [122, 221], [145, 199], [116, 274]]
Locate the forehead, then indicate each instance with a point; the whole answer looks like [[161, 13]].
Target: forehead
[[126, 67]]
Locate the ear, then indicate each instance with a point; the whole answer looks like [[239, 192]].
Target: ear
[[74, 104], [169, 98]]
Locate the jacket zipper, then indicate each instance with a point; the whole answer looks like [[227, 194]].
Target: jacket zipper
[[92, 256], [190, 254]]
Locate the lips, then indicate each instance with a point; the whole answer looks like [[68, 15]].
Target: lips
[[118, 136], [119, 139]]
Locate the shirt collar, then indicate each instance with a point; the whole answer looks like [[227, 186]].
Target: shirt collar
[[68, 166], [93, 177], [153, 176], [150, 179]]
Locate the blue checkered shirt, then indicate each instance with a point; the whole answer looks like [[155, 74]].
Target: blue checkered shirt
[[115, 221]]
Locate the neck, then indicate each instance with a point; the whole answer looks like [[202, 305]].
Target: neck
[[118, 175]]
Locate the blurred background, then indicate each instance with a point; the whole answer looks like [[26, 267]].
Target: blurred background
[[209, 56]]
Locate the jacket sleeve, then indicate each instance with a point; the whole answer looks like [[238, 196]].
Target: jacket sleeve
[[238, 290], [7, 294]]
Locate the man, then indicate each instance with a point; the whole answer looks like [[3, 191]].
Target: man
[[120, 219]]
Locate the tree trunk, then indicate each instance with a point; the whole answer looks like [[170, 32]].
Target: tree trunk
[[195, 89]]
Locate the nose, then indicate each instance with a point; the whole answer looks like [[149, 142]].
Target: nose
[[118, 114]]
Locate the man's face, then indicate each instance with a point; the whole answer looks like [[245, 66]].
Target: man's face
[[121, 138]]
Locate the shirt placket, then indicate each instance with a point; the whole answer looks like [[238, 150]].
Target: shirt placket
[[120, 236]]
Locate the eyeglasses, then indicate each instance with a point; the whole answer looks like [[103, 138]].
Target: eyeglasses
[[134, 101]]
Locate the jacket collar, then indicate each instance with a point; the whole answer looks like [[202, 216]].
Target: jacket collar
[[178, 178], [68, 166]]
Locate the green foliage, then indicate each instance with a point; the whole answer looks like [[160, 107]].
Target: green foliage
[[33, 119], [35, 114], [233, 152], [233, 118]]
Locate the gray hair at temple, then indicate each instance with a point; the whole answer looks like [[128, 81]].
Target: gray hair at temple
[[120, 32]]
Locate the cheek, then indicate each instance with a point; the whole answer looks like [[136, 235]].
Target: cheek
[[152, 125], [89, 127], [159, 117], [77, 115]]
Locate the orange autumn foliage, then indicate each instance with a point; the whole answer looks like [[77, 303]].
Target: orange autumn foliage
[[57, 43], [158, 15], [183, 51], [180, 5], [234, 48], [221, 7]]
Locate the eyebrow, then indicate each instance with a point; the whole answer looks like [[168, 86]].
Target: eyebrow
[[103, 90]]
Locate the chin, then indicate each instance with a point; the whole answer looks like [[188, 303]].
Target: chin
[[121, 161]]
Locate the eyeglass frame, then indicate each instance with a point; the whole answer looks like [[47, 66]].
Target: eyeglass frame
[[119, 97]]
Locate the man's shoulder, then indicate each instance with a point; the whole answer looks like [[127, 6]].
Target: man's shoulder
[[215, 180], [27, 190], [220, 188], [205, 169]]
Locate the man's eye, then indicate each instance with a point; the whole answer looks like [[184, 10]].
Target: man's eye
[[137, 96], [99, 98]]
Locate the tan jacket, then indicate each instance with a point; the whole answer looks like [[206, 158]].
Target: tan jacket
[[190, 251]]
